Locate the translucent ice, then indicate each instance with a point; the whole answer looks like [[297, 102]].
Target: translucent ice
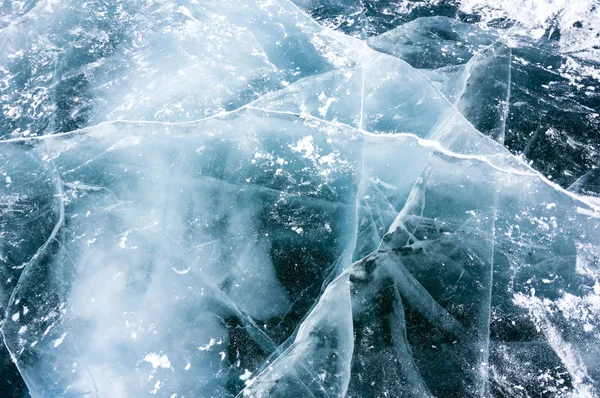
[[220, 199]]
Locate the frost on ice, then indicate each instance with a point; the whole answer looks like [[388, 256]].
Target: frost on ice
[[226, 199]]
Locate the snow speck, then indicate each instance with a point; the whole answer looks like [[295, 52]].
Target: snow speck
[[306, 146], [156, 387], [298, 230], [157, 360], [247, 374], [208, 346], [59, 341]]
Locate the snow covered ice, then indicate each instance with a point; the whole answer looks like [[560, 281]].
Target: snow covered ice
[[299, 199]]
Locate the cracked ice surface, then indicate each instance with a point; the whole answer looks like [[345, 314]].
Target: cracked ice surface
[[220, 199]]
